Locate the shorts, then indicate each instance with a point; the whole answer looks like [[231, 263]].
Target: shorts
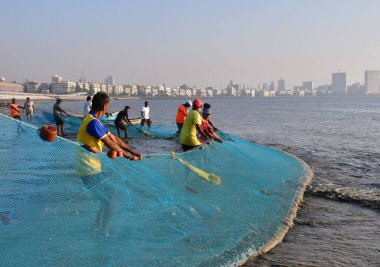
[[58, 120], [17, 117], [146, 121], [120, 125]]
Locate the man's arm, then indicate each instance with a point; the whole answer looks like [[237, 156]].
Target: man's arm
[[115, 143], [201, 132], [212, 125], [216, 137], [126, 118]]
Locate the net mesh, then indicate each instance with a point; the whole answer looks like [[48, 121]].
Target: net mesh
[[160, 211]]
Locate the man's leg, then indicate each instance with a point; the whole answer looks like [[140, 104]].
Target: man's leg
[[63, 130]]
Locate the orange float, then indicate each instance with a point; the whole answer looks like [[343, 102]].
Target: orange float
[[90, 148], [48, 133], [112, 154]]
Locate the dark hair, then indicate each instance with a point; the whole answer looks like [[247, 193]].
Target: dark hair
[[88, 98], [206, 106], [13, 100], [146, 103], [127, 107], [99, 100]]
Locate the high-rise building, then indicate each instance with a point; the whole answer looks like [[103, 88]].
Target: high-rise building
[[281, 85], [308, 85], [271, 86], [110, 80], [339, 83], [372, 81]]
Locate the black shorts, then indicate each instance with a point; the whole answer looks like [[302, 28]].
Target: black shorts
[[144, 121], [17, 117], [120, 125], [58, 120]]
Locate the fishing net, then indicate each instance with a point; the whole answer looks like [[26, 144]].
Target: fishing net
[[208, 207]]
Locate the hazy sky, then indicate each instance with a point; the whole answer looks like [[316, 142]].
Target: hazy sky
[[202, 43]]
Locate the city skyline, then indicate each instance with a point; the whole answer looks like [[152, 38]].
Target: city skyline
[[200, 44]]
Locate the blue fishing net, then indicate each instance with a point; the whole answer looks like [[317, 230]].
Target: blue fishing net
[[208, 207]]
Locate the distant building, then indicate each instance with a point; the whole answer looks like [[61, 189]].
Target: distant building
[[281, 85], [44, 88], [33, 87], [56, 79], [110, 80], [271, 86], [118, 90], [308, 85], [339, 83], [94, 88], [63, 88], [355, 89], [372, 81], [231, 91]]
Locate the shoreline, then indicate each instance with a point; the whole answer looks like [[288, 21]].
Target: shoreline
[[6, 96]]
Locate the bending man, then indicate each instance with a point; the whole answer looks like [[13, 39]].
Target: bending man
[[192, 125], [121, 119], [94, 134]]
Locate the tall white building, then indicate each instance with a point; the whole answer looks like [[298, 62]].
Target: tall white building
[[63, 88], [372, 81], [339, 83]]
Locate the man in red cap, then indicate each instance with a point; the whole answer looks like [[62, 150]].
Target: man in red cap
[[191, 126]]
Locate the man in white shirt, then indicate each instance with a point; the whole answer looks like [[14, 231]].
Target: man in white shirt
[[87, 106], [29, 109], [145, 115]]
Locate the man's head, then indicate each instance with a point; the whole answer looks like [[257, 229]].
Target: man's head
[[206, 106], [126, 108], [59, 100], [146, 103], [88, 98], [188, 103], [13, 100], [28, 99], [100, 102], [197, 104]]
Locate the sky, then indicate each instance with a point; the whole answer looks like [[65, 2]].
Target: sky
[[199, 42]]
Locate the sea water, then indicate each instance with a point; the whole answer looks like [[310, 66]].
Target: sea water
[[339, 221]]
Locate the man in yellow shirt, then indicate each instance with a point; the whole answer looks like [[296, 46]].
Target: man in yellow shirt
[[191, 126], [95, 135]]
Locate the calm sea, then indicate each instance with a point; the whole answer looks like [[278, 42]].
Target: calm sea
[[339, 221]]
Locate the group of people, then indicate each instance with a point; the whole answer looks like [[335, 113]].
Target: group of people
[[194, 123], [193, 119], [28, 108]]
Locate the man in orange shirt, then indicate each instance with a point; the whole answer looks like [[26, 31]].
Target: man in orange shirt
[[182, 112], [14, 109]]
